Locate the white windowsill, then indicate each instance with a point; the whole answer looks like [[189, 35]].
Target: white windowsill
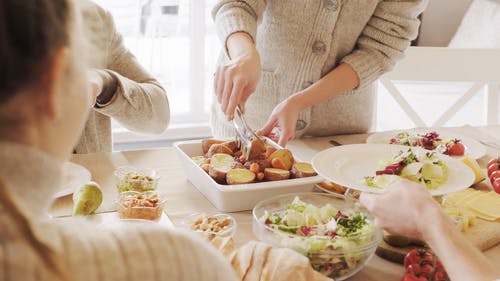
[[173, 133]]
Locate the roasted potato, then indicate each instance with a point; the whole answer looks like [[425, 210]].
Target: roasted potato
[[220, 164], [239, 176], [303, 170], [233, 145], [273, 174], [199, 160], [207, 143], [258, 149], [219, 148], [282, 159]]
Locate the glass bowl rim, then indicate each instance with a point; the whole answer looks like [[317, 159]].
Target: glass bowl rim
[[377, 231], [122, 171]]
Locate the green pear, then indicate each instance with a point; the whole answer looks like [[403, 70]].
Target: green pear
[[86, 199]]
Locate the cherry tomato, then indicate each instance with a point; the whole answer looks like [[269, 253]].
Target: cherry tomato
[[496, 185], [417, 256], [426, 270], [494, 175], [412, 277], [494, 160], [493, 167], [456, 148], [440, 275]]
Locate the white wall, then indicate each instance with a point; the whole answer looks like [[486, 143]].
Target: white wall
[[440, 21]]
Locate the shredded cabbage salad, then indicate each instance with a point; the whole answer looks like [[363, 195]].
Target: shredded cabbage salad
[[424, 168], [314, 231]]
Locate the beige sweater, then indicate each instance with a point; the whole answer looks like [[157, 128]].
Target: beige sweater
[[141, 104], [301, 41], [125, 252]]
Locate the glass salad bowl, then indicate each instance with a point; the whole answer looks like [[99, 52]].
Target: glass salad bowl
[[140, 205], [336, 236]]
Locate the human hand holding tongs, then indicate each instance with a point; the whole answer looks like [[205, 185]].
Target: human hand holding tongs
[[250, 143]]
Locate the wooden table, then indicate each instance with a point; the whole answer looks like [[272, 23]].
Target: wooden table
[[184, 199]]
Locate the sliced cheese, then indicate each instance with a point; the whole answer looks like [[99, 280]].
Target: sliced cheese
[[459, 198], [487, 204]]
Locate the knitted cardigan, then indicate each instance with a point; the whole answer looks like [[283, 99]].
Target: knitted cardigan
[[140, 105], [91, 251], [301, 41]]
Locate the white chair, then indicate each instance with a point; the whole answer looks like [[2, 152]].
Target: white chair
[[442, 64]]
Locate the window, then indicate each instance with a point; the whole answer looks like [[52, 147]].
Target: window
[[174, 40]]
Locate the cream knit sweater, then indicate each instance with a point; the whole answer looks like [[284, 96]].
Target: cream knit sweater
[[141, 104], [125, 252], [301, 41]]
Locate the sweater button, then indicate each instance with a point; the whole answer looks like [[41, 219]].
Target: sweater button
[[331, 5], [300, 125], [319, 47]]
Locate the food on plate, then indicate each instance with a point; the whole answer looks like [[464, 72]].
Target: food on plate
[[274, 174], [262, 165], [334, 240], [471, 203], [258, 148], [282, 159], [422, 167], [430, 141], [207, 143], [303, 170], [140, 205], [218, 224], [86, 199], [331, 186], [471, 163], [225, 163], [220, 164], [338, 189], [219, 148], [135, 179], [240, 176], [423, 265], [401, 241]]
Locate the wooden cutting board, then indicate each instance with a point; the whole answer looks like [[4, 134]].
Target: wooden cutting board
[[483, 235]]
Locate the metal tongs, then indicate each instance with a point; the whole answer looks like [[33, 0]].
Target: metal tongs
[[245, 136]]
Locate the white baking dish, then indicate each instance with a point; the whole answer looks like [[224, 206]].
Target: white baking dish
[[233, 198]]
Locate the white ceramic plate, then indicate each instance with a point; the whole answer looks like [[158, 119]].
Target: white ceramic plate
[[473, 149], [74, 175], [348, 165]]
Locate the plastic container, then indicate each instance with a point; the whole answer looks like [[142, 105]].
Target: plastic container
[[134, 179], [234, 198], [209, 225], [140, 205], [346, 259]]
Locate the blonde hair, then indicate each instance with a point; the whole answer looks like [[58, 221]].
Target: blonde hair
[[30, 33]]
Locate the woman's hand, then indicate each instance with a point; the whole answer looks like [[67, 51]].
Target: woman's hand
[[235, 81], [281, 124], [416, 209]]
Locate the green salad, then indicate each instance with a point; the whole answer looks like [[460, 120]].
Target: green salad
[[334, 240], [425, 168]]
